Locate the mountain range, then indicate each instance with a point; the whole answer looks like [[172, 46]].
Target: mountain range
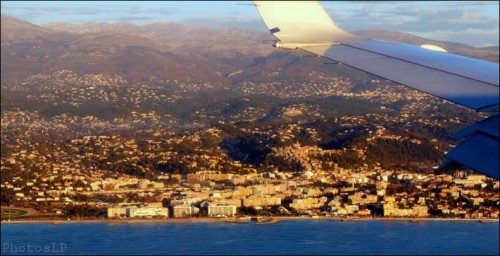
[[171, 51]]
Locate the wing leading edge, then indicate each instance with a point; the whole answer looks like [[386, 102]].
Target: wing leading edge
[[466, 81]]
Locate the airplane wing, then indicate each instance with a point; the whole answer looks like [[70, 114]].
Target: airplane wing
[[465, 81]]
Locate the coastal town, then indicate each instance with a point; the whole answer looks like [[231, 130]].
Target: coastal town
[[143, 128], [149, 170], [212, 193]]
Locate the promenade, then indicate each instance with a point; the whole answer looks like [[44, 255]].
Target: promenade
[[227, 220]]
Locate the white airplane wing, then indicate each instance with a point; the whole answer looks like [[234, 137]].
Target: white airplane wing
[[466, 81]]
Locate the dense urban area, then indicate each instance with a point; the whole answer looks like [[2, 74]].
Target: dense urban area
[[327, 148]]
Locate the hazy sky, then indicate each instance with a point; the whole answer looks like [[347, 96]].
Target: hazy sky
[[474, 23]]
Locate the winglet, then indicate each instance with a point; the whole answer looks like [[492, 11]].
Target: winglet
[[301, 23]]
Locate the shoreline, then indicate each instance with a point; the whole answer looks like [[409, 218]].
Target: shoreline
[[229, 220]]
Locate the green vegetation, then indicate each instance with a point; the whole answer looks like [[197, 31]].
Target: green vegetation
[[395, 153], [12, 213]]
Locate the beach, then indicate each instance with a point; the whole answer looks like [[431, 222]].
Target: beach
[[230, 220]]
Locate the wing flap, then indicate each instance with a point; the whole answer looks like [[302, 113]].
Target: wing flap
[[489, 126], [479, 152]]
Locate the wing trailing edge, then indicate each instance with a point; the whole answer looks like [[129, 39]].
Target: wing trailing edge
[[479, 149]]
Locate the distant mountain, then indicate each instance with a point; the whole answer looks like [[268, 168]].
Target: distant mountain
[[91, 27], [14, 30], [491, 48], [220, 44], [170, 51], [114, 52], [238, 42], [235, 47]]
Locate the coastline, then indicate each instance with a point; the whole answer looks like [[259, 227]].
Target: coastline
[[229, 220]]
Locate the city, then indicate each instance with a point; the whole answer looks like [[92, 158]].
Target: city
[[176, 128], [277, 163]]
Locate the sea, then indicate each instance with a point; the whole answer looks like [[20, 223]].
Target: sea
[[302, 237]]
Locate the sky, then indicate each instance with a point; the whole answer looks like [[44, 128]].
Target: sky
[[475, 23]]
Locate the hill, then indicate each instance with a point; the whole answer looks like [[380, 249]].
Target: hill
[[169, 51]]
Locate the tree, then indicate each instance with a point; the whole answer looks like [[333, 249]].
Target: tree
[[6, 198]]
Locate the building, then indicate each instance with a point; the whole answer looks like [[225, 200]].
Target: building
[[147, 212], [364, 213], [261, 201], [179, 211], [221, 210], [117, 212], [149, 184], [308, 203], [421, 211], [391, 210]]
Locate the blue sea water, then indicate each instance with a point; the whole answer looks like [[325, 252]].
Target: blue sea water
[[286, 237]]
